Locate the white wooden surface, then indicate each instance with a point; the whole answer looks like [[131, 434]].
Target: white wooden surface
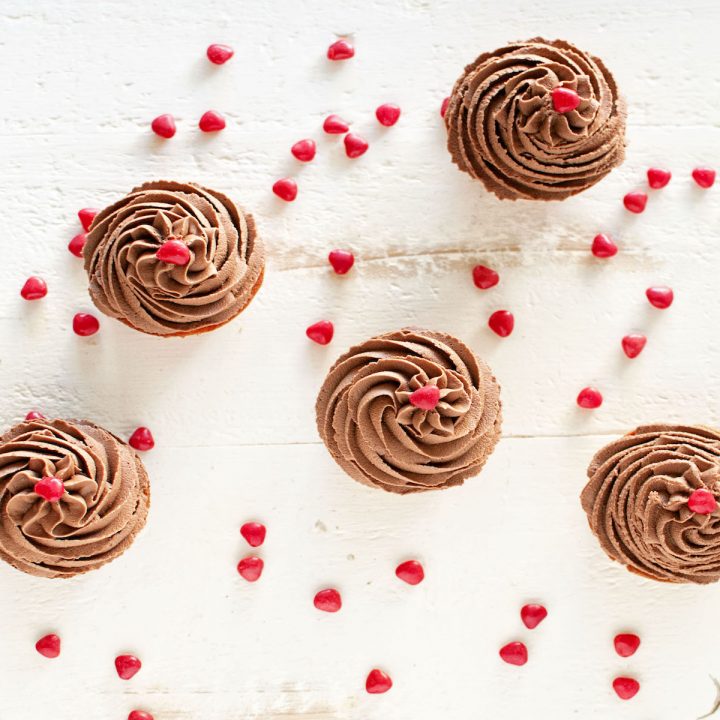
[[232, 411]]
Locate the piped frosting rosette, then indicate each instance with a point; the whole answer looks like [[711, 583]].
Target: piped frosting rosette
[[651, 500], [375, 418], [504, 128]]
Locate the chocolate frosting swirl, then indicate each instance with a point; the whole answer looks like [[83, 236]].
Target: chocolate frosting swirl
[[637, 502], [105, 504], [503, 129], [128, 282], [379, 438]]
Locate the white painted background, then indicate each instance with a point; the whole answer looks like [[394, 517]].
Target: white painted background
[[232, 411]]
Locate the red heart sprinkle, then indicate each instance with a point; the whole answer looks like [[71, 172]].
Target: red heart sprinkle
[[250, 568], [219, 54], [603, 246], [514, 653], [34, 415], [127, 666], [564, 99], [163, 126], [589, 398], [340, 50], [76, 245], [658, 178], [286, 189], [321, 332], [140, 715], [532, 615], [626, 687], [702, 502], [411, 572], [635, 201], [341, 261], [444, 106], [48, 646], [633, 344], [173, 252], [254, 533], [377, 682], [304, 150], [85, 324], [86, 216], [355, 146], [484, 277], [142, 439], [211, 121], [425, 398], [50, 489], [704, 177], [502, 322], [328, 600], [34, 288], [626, 644], [660, 296], [388, 114], [335, 125]]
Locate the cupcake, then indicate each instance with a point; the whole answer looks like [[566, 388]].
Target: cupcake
[[173, 259], [536, 120], [72, 497], [652, 502], [410, 410]]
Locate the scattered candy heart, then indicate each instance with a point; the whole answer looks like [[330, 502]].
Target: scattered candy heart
[[142, 439], [34, 288], [335, 125], [76, 245], [48, 646], [219, 54], [704, 177], [127, 666], [173, 252], [603, 246], [484, 277], [254, 533], [388, 114], [532, 615], [626, 687], [425, 398], [163, 126], [286, 189], [355, 146], [321, 332], [34, 415], [702, 502], [564, 99], [514, 653], [411, 572], [444, 106], [658, 178], [250, 568], [626, 644], [589, 398], [211, 121], [50, 489], [660, 296], [341, 261], [633, 344], [635, 201], [340, 50], [85, 324], [140, 715], [377, 682], [502, 322], [86, 216], [304, 150], [328, 600]]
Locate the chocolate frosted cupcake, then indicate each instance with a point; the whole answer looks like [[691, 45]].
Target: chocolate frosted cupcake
[[652, 502], [410, 410], [536, 120], [72, 497], [173, 259]]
